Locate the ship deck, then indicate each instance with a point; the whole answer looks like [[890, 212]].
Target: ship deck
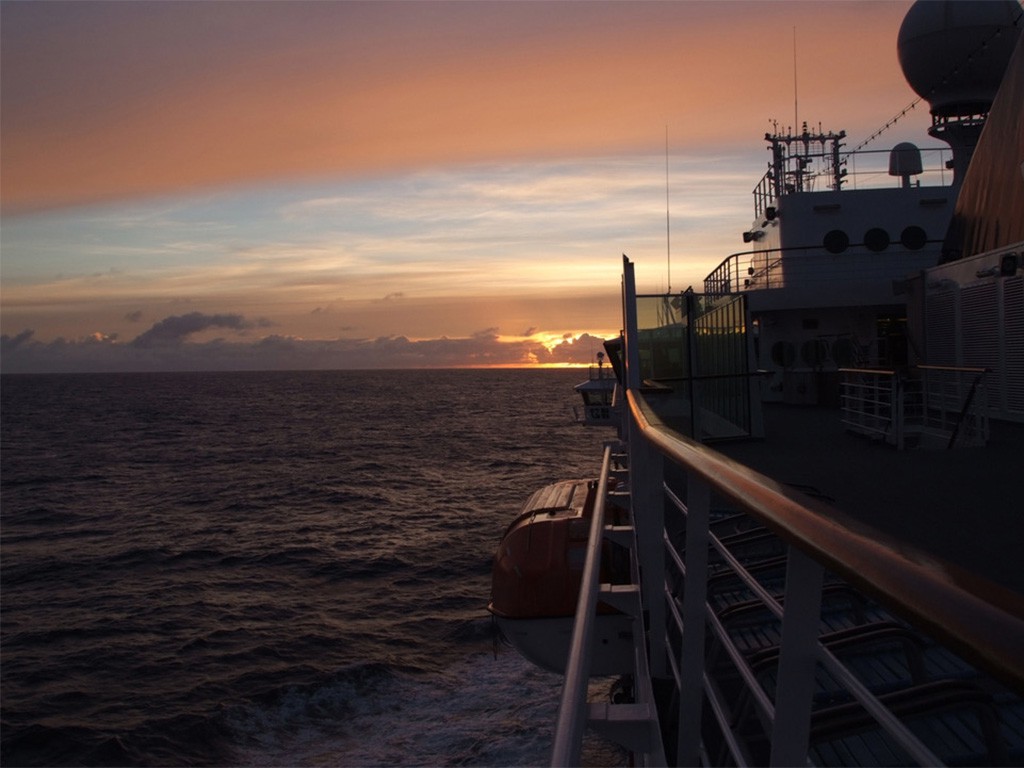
[[963, 505]]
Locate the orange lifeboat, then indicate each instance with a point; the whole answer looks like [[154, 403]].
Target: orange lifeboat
[[536, 578]]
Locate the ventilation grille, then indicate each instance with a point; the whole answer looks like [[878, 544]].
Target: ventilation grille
[[979, 318], [1013, 327]]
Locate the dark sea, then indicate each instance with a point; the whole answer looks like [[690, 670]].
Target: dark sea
[[271, 568]]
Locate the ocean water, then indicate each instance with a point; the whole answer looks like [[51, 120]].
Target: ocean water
[[271, 568]]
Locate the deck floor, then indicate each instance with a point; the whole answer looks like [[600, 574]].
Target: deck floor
[[964, 505]]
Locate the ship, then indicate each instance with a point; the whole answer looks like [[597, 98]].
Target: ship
[[597, 393], [803, 543]]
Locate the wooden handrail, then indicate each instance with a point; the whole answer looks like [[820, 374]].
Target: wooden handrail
[[953, 368], [879, 371]]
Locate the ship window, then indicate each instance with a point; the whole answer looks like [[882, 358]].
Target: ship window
[[876, 239], [913, 238], [836, 241]]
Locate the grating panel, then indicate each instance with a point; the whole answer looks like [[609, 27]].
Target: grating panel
[[1013, 327]]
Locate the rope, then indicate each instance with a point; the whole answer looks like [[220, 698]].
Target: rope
[[949, 75]]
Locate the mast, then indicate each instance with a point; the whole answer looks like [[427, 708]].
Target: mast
[[668, 230]]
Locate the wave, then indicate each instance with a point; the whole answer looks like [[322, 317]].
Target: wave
[[485, 710], [37, 744], [268, 569]]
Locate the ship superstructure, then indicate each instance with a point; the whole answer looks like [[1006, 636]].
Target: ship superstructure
[[836, 233]]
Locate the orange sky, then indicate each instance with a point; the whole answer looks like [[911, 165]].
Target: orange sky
[[342, 171], [122, 99]]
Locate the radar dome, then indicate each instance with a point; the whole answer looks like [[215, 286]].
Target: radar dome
[[954, 52]]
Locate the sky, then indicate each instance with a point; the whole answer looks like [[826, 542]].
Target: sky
[[272, 185]]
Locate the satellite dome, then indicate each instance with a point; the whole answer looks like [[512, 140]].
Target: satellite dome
[[954, 52]]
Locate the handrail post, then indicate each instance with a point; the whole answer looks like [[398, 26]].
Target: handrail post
[[646, 477], [898, 412], [797, 659]]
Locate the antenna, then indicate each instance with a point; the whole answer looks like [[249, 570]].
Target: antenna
[[668, 230], [796, 111]]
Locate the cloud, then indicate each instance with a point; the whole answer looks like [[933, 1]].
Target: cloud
[[11, 343], [579, 349], [134, 317], [437, 238], [177, 328], [165, 347]]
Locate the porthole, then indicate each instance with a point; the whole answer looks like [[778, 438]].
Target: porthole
[[913, 238], [836, 241], [783, 354], [876, 239]]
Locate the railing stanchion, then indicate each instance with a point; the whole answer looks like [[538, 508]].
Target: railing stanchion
[[899, 412], [646, 476], [797, 659]]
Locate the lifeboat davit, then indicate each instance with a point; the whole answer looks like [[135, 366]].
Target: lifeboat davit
[[536, 579]]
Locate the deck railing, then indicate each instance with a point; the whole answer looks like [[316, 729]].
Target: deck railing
[[927, 406], [864, 169], [685, 633], [981, 623], [572, 709], [775, 268], [872, 403], [953, 405], [745, 270]]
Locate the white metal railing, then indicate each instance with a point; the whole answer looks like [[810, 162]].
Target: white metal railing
[[572, 710], [798, 267], [791, 719], [930, 406], [632, 724], [667, 471], [815, 545], [864, 169], [953, 405], [818, 550], [871, 401]]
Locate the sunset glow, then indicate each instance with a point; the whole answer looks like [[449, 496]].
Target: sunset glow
[[348, 184]]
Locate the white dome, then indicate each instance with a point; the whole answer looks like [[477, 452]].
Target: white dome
[[954, 52]]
